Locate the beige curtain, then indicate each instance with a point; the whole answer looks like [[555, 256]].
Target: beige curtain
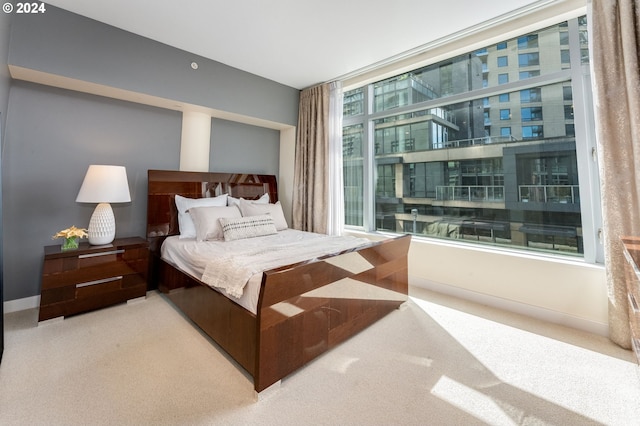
[[615, 40], [310, 181]]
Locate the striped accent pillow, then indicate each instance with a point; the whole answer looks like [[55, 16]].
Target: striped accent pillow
[[247, 227]]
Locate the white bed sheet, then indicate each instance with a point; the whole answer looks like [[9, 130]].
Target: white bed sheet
[[192, 257]]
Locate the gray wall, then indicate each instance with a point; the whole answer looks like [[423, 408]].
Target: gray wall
[[66, 44], [53, 135], [237, 147]]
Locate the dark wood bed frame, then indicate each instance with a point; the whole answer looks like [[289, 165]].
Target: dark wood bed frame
[[303, 310]]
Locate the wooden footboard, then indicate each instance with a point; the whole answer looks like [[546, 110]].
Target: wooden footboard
[[303, 311], [307, 309]]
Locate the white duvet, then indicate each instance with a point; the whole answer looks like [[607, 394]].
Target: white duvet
[[235, 267]]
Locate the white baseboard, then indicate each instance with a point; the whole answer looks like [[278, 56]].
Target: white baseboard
[[513, 306], [21, 304], [461, 293]]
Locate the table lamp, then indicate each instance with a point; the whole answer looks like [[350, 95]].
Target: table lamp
[[103, 185]]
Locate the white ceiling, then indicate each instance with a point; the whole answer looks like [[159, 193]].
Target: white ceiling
[[298, 43]]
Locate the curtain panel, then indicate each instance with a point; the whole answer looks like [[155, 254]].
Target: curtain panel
[[615, 62], [317, 196]]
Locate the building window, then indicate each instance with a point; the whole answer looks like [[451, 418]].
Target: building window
[[532, 132], [528, 42], [531, 95], [531, 114], [528, 59], [568, 112], [564, 38], [494, 166], [528, 74]]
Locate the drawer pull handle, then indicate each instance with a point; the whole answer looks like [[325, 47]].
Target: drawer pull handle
[[634, 303], [96, 282], [104, 253]]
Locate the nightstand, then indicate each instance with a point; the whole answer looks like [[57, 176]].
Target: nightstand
[[92, 277]]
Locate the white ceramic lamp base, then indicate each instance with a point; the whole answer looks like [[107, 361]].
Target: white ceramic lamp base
[[102, 226]]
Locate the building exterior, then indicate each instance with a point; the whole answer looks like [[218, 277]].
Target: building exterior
[[480, 147]]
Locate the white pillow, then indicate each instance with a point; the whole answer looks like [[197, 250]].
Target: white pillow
[[247, 227], [233, 201], [206, 221], [251, 208], [185, 223]]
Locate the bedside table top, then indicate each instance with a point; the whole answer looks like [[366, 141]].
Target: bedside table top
[[54, 251]]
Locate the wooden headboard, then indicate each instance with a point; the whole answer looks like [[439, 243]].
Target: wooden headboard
[[163, 185]]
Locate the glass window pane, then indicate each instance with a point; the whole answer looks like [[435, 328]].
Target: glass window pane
[[353, 177], [469, 72], [500, 168], [353, 103]]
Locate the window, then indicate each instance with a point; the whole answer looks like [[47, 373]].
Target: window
[[532, 132], [531, 95], [528, 59], [568, 112], [528, 74], [479, 162], [528, 42], [531, 113], [353, 103]]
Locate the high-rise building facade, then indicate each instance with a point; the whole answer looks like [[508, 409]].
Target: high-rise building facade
[[480, 147]]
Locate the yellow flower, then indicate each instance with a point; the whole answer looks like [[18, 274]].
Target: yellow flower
[[71, 232]]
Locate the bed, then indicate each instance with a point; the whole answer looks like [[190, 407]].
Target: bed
[[303, 309]]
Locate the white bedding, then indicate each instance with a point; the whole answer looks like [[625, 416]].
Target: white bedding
[[285, 247]]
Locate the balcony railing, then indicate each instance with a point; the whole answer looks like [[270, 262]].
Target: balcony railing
[[486, 140], [491, 194], [564, 194]]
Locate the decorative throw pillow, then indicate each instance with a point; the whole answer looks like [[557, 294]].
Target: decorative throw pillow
[[233, 201], [247, 227], [206, 221], [251, 208], [185, 223]]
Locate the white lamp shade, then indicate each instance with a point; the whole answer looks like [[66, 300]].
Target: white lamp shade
[[104, 184]]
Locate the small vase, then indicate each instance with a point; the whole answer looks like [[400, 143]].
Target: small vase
[[71, 243]]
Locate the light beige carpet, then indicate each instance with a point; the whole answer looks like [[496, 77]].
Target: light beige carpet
[[439, 361]]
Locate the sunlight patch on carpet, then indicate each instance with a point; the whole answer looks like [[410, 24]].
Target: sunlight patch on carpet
[[471, 401], [578, 374]]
